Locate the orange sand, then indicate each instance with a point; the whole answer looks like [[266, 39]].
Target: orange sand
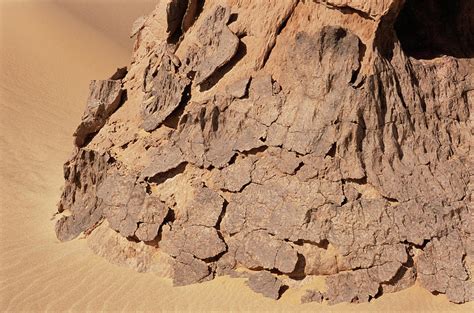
[[48, 53]]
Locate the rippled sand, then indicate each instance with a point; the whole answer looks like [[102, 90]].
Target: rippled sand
[[48, 53]]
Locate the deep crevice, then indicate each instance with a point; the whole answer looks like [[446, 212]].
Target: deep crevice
[[233, 18], [172, 120], [221, 216], [298, 168], [323, 244], [133, 239], [299, 271], [193, 11], [417, 246], [282, 290], [255, 151], [332, 150], [233, 159], [169, 218], [162, 177], [356, 81], [120, 73], [345, 201], [177, 10], [214, 258], [391, 200], [358, 181], [349, 10]]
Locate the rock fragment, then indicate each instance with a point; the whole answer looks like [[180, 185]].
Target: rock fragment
[[166, 95], [219, 44], [239, 88], [189, 270], [163, 159], [312, 296], [190, 15], [355, 286], [165, 20], [105, 97], [266, 284], [137, 25]]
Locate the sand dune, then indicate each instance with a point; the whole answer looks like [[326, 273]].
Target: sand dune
[[48, 53], [110, 17]]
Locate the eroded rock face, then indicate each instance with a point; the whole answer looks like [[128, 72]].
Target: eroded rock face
[[79, 198], [440, 268], [308, 139]]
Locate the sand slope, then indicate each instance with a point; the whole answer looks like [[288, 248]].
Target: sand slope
[[111, 17], [48, 54]]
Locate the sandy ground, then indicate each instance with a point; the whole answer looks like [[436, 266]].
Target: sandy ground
[[48, 53]]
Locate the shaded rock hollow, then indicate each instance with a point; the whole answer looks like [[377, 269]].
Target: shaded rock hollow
[[318, 138]]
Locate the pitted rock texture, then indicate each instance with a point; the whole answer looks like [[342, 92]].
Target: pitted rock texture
[[285, 139]]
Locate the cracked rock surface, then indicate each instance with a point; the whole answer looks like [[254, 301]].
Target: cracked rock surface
[[283, 139]]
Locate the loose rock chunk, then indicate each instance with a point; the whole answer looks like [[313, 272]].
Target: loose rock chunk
[[189, 270], [355, 286], [265, 283], [312, 296], [166, 95], [138, 24], [165, 20], [163, 159], [218, 44], [239, 88], [104, 98]]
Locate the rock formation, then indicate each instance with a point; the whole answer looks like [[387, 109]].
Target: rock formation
[[289, 137]]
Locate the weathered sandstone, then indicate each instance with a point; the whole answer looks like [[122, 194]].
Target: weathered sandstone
[[291, 138]]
